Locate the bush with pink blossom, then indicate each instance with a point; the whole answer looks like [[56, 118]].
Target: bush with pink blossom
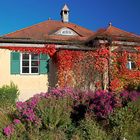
[[62, 110]]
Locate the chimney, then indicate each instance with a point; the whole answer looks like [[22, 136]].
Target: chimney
[[65, 14]]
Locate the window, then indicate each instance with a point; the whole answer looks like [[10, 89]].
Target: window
[[25, 63], [131, 65], [66, 32], [29, 63]]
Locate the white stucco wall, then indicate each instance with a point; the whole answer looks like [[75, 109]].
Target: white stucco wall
[[28, 84]]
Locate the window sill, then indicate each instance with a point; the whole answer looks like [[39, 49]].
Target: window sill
[[27, 74]]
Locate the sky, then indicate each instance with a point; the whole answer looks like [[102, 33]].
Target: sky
[[91, 14]]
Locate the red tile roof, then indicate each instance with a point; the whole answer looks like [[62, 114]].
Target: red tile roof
[[43, 31], [115, 33], [118, 32]]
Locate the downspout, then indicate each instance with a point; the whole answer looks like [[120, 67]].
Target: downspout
[[109, 62]]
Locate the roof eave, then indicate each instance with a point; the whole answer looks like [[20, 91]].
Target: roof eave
[[62, 42], [114, 38]]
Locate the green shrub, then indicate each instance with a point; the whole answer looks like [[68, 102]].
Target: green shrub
[[55, 112], [89, 130], [4, 121], [2, 136], [50, 116], [133, 86], [8, 95], [53, 135], [124, 123], [20, 133]]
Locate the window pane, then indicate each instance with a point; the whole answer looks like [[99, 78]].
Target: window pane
[[128, 65], [25, 56], [34, 70], [35, 63], [133, 65], [25, 63], [25, 69], [34, 56]]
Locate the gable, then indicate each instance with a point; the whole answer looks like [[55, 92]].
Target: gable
[[66, 32]]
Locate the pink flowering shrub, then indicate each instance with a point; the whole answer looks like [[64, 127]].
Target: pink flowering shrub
[[26, 110], [16, 121], [15, 130], [9, 130], [128, 96], [61, 108], [102, 103]]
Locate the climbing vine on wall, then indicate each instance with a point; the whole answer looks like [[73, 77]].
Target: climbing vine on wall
[[47, 49], [82, 69], [121, 76], [99, 69]]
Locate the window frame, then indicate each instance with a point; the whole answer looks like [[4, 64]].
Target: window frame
[[66, 32], [30, 66], [130, 65]]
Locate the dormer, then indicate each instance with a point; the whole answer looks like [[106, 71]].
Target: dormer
[[66, 32], [65, 14]]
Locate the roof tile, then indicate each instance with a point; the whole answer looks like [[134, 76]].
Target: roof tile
[[43, 31]]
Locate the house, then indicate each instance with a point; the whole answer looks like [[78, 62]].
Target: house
[[36, 72]]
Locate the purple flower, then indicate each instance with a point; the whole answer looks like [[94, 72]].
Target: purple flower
[[21, 105], [33, 101], [128, 96], [102, 103], [134, 95], [8, 131], [16, 121]]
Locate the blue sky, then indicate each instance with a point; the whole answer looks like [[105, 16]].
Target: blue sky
[[92, 14]]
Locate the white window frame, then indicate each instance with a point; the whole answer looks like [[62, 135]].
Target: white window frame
[[129, 65], [30, 60], [66, 32]]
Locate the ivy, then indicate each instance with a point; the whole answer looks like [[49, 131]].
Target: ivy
[[48, 49]]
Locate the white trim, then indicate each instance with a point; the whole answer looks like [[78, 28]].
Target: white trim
[[125, 42], [22, 45], [68, 32], [120, 42], [68, 46], [20, 63], [129, 65], [30, 67], [30, 63]]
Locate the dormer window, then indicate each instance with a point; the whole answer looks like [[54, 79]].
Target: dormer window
[[66, 32]]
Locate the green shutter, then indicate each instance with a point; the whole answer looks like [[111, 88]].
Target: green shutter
[[15, 63], [44, 64]]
